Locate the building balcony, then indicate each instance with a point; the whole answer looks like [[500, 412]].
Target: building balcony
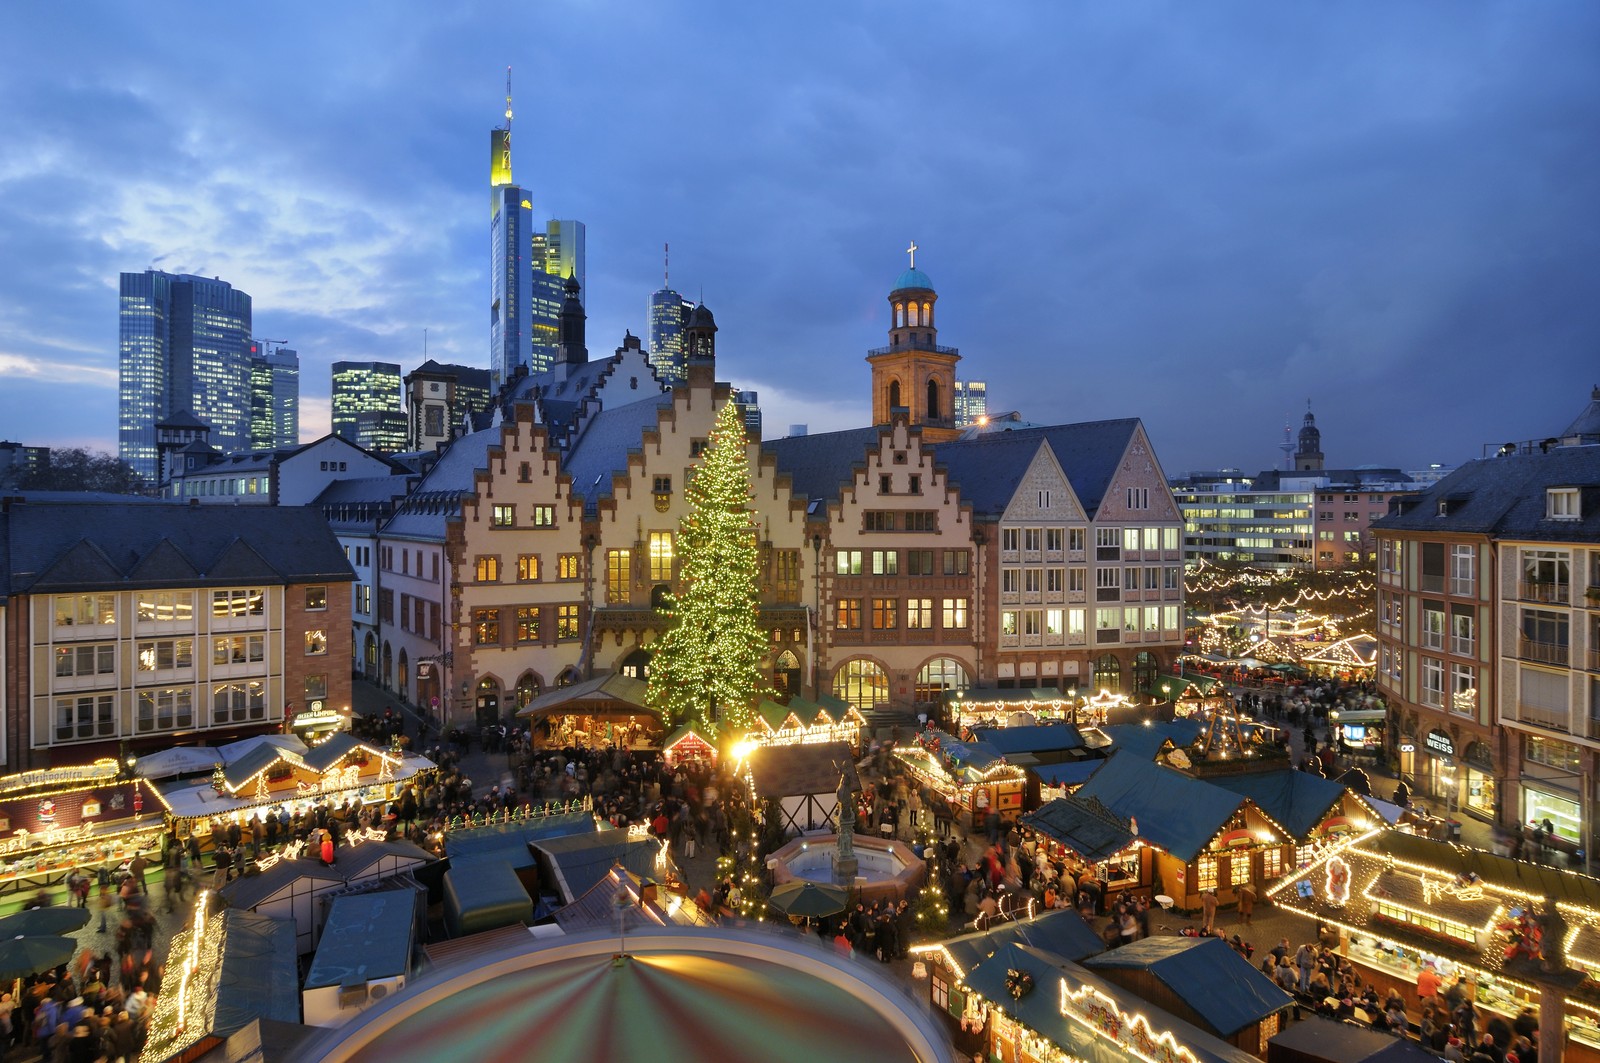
[[1539, 716], [1543, 652], [1544, 591], [896, 348], [1594, 660]]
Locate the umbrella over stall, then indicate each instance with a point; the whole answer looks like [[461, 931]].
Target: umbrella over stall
[[22, 956], [809, 900], [35, 922]]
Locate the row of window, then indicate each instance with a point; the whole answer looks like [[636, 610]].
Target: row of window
[[387, 555], [526, 623], [1053, 580], [1462, 692], [486, 567], [887, 562], [1050, 540], [1132, 618], [166, 709], [504, 515], [885, 613], [167, 654], [227, 485], [166, 607]]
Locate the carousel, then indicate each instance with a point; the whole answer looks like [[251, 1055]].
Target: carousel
[[608, 710]]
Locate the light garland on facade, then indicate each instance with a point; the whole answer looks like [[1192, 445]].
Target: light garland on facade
[[1131, 1031]]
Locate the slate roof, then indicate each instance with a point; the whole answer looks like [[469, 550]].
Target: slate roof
[[1505, 498], [1041, 738], [1222, 987], [581, 860], [1040, 1010], [989, 467], [1298, 800], [1146, 740], [790, 771], [437, 498], [65, 547], [819, 465], [1174, 811], [1084, 825], [604, 442]]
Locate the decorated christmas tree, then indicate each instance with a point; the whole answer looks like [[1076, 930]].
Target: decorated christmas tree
[[706, 668]]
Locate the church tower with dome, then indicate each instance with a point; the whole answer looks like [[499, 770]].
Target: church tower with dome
[[1308, 456], [914, 377]]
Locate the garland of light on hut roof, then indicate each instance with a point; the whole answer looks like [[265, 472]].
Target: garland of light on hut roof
[[70, 779], [198, 951], [1390, 861], [1343, 654]]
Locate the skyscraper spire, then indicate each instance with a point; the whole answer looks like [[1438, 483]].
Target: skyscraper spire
[[666, 259], [508, 99]]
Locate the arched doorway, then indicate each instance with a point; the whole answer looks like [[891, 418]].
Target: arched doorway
[[369, 657], [786, 675], [529, 687], [403, 674], [488, 701], [636, 665], [938, 676], [1145, 669], [862, 683], [388, 678], [1108, 673]]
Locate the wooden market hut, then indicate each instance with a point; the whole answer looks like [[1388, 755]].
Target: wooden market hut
[[992, 706], [686, 742], [1310, 808], [803, 721], [969, 775], [1074, 1011], [1206, 837], [609, 709], [1031, 748], [803, 781], [569, 866], [1202, 981]]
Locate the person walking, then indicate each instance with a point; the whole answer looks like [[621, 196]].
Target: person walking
[[1247, 901], [1208, 905]]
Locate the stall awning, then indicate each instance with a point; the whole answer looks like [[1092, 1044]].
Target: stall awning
[[614, 692]]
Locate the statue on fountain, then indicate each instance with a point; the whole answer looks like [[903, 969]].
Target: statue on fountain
[[845, 864]]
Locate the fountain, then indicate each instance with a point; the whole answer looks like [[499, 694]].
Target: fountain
[[871, 868]]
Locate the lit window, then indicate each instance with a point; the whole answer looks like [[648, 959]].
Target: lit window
[[505, 516], [527, 623], [486, 627], [527, 567], [955, 614], [316, 599], [316, 643], [567, 566], [660, 557], [566, 621], [488, 569]]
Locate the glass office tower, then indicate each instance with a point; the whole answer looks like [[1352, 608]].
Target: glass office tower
[[366, 406]]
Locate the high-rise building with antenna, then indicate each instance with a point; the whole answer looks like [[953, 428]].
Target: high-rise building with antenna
[[667, 309]]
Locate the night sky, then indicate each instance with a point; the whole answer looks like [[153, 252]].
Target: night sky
[[1198, 214]]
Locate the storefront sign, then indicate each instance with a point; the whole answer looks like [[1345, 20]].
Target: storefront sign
[[319, 719], [1408, 747], [424, 670], [1440, 743], [59, 778]]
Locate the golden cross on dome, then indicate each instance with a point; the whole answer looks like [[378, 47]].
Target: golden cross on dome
[[912, 251]]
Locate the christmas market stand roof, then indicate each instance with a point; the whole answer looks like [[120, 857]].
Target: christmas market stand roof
[[512, 841], [793, 771], [1222, 987], [1173, 811], [1323, 1040], [826, 711], [995, 699], [1058, 980], [1296, 800], [1357, 651], [318, 759], [1084, 825], [1038, 738], [1407, 873], [1062, 932], [598, 909], [1178, 686], [612, 692], [249, 970], [351, 863], [669, 995], [577, 861], [965, 762], [1067, 773], [1147, 740], [684, 732], [197, 798], [179, 760]]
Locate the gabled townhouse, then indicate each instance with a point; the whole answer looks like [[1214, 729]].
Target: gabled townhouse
[[291, 476], [132, 627]]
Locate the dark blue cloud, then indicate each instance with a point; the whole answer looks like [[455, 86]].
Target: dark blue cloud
[[1198, 214]]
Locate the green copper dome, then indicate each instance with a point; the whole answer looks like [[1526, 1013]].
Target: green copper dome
[[913, 278]]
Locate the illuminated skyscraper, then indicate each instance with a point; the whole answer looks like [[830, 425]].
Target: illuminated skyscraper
[[183, 345], [558, 253], [667, 309], [274, 397], [511, 303], [971, 402], [366, 406]]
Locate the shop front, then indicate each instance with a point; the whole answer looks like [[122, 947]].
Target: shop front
[[1562, 808], [1361, 730], [1479, 794]]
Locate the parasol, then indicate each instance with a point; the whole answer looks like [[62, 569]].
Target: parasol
[[22, 956], [43, 921], [809, 900]]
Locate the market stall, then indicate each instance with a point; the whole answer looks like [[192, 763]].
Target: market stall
[[685, 745], [283, 777], [57, 820], [803, 722], [608, 710], [973, 777], [1359, 732], [990, 707], [1400, 901], [802, 783]]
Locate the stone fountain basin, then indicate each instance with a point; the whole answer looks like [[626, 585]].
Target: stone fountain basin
[[886, 869]]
